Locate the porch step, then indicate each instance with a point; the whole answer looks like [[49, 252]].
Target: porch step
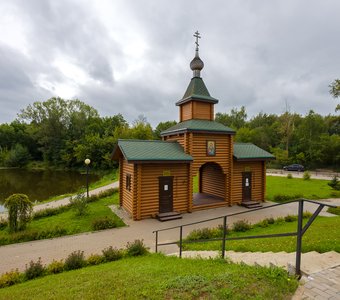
[[174, 215], [251, 204]]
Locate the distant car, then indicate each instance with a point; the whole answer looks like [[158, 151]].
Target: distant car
[[294, 167]]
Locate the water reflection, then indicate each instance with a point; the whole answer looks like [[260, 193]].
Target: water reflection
[[39, 185]]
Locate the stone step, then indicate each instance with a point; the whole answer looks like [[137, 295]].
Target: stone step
[[174, 215], [251, 204], [313, 263]]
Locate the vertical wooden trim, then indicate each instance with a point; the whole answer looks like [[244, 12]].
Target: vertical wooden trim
[[190, 190], [212, 112], [139, 190], [263, 180], [181, 113], [134, 192], [231, 168], [121, 181]]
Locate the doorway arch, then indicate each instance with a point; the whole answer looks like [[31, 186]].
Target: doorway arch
[[212, 180]]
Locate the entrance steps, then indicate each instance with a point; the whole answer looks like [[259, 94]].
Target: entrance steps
[[311, 262], [251, 204], [169, 216]]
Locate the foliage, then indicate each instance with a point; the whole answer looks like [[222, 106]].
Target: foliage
[[162, 126], [290, 218], [104, 223], [10, 278], [205, 233], [79, 203], [112, 254], [3, 223], [335, 91], [289, 176], [50, 211], [34, 269], [136, 248], [306, 175], [241, 226], [334, 183], [236, 119], [145, 278], [19, 211], [95, 259], [55, 267], [284, 198], [334, 210], [75, 260]]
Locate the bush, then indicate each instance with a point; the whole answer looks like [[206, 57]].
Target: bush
[[264, 223], [205, 233], [75, 260], [289, 176], [3, 223], [284, 198], [112, 254], [306, 215], [55, 267], [136, 248], [95, 259], [241, 226], [79, 203], [334, 183], [51, 211], [104, 223], [10, 278], [334, 210], [19, 209], [34, 270], [270, 220], [306, 175], [290, 218]]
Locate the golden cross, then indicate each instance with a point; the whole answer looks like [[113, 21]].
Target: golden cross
[[197, 36]]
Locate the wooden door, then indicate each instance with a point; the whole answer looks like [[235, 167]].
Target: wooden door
[[246, 186], [165, 194]]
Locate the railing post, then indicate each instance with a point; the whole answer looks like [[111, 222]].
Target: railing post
[[180, 241], [156, 248], [299, 240], [224, 235]]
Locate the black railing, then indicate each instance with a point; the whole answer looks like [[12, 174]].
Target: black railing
[[301, 230]]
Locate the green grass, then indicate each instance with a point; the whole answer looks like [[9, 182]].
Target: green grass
[[334, 210], [69, 221], [159, 277], [310, 189], [322, 236]]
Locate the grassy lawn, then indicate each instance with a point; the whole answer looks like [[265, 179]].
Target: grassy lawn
[[310, 189], [159, 277], [322, 236], [68, 221]]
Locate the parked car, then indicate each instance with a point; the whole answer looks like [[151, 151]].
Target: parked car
[[294, 167]]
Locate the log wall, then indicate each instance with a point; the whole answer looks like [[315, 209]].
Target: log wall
[[213, 180], [127, 198], [258, 170]]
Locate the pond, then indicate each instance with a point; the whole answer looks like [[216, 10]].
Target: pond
[[40, 185]]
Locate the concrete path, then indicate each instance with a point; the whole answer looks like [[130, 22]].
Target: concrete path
[[17, 255], [313, 174]]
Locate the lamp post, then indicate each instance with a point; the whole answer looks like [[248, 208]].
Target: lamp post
[[87, 163]]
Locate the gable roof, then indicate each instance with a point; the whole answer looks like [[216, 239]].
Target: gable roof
[[198, 126], [197, 90], [150, 150], [248, 151]]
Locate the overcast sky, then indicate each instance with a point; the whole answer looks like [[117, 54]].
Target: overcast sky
[[132, 57]]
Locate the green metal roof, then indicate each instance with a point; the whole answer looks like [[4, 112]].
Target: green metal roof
[[197, 91], [146, 150], [244, 151], [198, 125]]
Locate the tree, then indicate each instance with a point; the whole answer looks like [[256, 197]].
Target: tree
[[235, 120], [335, 91], [19, 211], [163, 126]]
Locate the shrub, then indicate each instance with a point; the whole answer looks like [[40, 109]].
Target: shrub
[[55, 267], [270, 220], [334, 183], [136, 248], [306, 215], [290, 218], [104, 223], [112, 254], [264, 223], [95, 259], [284, 198], [205, 233], [34, 270], [19, 211], [306, 175], [10, 278], [50, 211], [289, 176], [75, 260], [79, 203], [241, 226], [3, 223], [334, 210]]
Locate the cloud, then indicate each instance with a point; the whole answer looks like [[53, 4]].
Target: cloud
[[132, 57]]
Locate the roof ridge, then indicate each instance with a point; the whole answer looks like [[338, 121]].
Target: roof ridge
[[138, 140]]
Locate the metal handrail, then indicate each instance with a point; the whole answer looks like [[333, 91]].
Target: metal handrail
[[299, 233]]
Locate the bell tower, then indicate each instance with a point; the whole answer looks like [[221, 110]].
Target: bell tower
[[196, 103]]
